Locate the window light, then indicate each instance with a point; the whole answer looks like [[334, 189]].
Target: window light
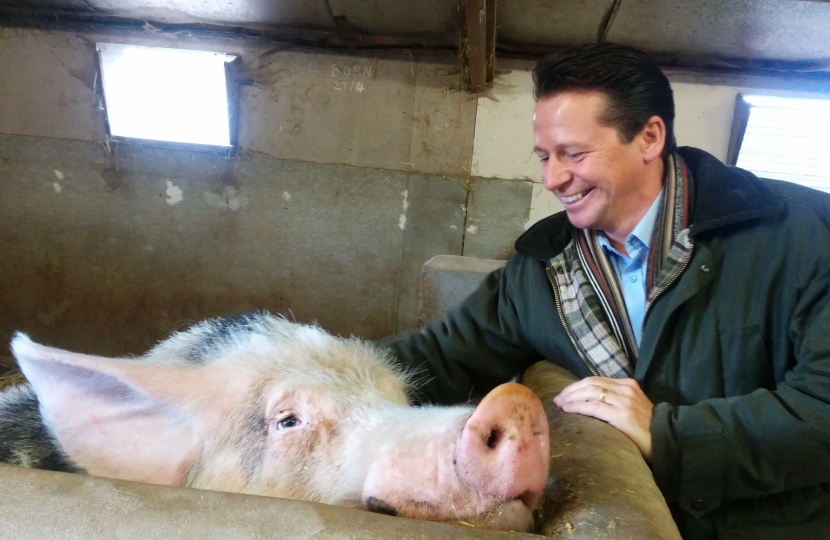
[[784, 139], [162, 94]]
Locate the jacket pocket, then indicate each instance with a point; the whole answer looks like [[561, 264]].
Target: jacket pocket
[[802, 514]]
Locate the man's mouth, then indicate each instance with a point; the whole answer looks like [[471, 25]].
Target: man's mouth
[[575, 197]]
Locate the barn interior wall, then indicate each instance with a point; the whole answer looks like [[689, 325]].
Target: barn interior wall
[[353, 169]]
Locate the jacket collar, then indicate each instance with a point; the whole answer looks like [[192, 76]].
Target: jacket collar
[[721, 196]]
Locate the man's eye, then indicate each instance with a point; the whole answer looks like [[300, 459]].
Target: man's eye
[[288, 422], [543, 159], [575, 155]]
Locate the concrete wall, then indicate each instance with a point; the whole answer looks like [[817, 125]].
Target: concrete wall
[[340, 192], [353, 170]]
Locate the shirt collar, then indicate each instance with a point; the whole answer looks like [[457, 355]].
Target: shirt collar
[[644, 230]]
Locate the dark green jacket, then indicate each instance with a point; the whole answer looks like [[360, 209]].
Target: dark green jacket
[[735, 354]]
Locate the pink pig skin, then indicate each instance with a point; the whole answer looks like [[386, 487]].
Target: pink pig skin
[[264, 406]]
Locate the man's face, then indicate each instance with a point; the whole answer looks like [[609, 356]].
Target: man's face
[[603, 183]]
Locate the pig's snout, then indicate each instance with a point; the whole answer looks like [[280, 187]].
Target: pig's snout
[[504, 451]]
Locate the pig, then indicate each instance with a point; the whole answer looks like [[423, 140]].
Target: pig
[[260, 405]]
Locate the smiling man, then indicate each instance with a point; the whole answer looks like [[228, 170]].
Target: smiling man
[[692, 298]]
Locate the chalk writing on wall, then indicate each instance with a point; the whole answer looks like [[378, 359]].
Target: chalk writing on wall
[[349, 87], [350, 78]]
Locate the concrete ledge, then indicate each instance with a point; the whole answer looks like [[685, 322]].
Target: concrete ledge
[[600, 486], [40, 505]]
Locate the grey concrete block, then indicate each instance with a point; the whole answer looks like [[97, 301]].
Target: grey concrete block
[[109, 262], [329, 108], [443, 121], [434, 221], [447, 280], [497, 213], [47, 86]]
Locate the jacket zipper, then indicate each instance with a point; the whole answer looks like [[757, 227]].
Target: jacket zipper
[[666, 286], [565, 323]]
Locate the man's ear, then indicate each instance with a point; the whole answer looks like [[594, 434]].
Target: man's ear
[[652, 139]]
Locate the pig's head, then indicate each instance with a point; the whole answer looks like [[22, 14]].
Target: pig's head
[[263, 406]]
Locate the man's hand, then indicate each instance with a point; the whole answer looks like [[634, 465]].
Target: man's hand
[[620, 402]]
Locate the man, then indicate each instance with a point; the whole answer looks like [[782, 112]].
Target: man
[[692, 297]]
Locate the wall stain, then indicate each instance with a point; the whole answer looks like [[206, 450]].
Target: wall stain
[[113, 179]]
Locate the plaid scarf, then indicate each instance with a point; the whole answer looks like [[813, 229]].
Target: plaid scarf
[[592, 306]]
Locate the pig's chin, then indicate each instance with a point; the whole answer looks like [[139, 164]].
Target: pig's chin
[[509, 516]]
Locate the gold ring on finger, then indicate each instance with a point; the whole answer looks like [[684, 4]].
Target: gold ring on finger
[[602, 396]]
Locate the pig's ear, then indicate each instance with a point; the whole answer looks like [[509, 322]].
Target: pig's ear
[[115, 418]]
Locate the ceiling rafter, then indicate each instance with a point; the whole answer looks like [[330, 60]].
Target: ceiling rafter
[[478, 42]]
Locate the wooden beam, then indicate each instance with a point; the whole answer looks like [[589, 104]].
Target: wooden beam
[[491, 40], [478, 42], [475, 44]]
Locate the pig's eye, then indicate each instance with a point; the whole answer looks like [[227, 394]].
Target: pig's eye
[[288, 422]]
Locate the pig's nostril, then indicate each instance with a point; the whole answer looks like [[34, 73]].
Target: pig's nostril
[[493, 438], [378, 506]]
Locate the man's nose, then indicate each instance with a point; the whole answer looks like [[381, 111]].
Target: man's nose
[[555, 174]]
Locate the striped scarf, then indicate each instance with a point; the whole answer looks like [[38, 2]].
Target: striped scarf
[[592, 306]]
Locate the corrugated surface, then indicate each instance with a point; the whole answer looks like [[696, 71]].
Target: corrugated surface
[[399, 17], [771, 29], [549, 22], [752, 29], [301, 13]]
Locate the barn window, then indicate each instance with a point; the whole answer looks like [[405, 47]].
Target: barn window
[[783, 138], [160, 94]]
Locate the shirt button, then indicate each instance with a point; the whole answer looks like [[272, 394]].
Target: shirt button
[[704, 268], [633, 279], [698, 505]]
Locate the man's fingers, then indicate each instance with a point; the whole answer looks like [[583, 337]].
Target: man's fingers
[[585, 393], [579, 388], [596, 409], [619, 402]]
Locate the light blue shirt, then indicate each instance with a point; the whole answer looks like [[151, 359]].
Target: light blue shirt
[[631, 270]]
